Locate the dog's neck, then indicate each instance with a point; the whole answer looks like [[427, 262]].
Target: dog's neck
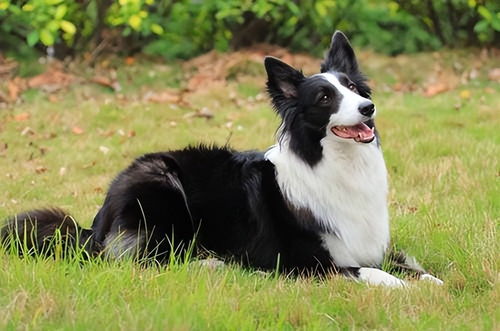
[[346, 192]]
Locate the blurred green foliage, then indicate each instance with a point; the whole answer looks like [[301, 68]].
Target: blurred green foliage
[[185, 28]]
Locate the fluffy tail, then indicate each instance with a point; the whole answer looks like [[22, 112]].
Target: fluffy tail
[[46, 232]]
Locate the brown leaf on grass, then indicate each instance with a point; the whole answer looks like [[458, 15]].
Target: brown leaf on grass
[[89, 165], [201, 113], [14, 87], [40, 169], [77, 130], [22, 117], [3, 149], [107, 82], [200, 80], [43, 150], [104, 149], [3, 97], [403, 87], [53, 98], [7, 67], [106, 133], [494, 74], [27, 131], [165, 96], [214, 67], [51, 80], [205, 113], [62, 171], [129, 60], [436, 88]]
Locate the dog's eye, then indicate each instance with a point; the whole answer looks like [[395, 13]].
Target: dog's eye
[[324, 99], [352, 87]]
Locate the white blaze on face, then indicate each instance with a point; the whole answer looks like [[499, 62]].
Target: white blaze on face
[[348, 113]]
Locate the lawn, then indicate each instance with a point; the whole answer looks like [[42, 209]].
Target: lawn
[[439, 119]]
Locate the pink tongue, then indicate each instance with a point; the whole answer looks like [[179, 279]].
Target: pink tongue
[[359, 132]]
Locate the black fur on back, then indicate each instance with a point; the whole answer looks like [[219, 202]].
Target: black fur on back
[[228, 202]]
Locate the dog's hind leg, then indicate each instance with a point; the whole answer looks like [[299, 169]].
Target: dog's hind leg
[[146, 212]]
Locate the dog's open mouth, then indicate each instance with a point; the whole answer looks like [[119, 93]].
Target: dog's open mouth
[[361, 132]]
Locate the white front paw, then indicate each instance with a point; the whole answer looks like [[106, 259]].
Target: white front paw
[[431, 278], [374, 276]]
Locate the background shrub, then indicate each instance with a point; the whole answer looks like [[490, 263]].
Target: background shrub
[[185, 28]]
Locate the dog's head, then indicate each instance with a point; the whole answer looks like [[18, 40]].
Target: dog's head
[[334, 104]]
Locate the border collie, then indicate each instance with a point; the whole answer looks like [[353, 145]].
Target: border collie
[[315, 203]]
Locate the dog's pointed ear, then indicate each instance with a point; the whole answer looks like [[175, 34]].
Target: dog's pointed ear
[[282, 79], [340, 56]]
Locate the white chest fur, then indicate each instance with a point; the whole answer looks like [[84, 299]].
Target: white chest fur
[[346, 191]]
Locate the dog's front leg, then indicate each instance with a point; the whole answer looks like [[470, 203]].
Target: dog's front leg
[[372, 276]]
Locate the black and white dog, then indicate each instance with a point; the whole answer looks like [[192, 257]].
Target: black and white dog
[[314, 203]]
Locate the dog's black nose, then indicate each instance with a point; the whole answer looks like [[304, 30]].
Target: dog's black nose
[[367, 108]]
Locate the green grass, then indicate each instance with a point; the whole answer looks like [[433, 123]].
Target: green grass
[[444, 203]]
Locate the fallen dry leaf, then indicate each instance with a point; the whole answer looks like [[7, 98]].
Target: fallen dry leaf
[[3, 97], [51, 80], [166, 96], [7, 67], [43, 150], [22, 117], [104, 149], [214, 67], [62, 171], [129, 60], [494, 74], [53, 98], [473, 74], [435, 89], [200, 80], [107, 82], [205, 113], [89, 165], [106, 133], [77, 130], [40, 170], [465, 94], [3, 148], [27, 131], [14, 89]]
